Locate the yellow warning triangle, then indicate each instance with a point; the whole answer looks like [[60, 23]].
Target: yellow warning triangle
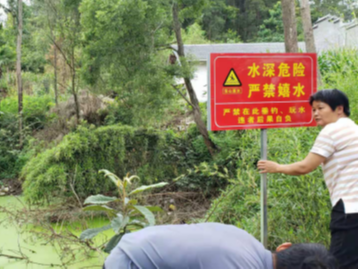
[[232, 79]]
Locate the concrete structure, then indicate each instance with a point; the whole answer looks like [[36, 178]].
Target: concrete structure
[[330, 32]]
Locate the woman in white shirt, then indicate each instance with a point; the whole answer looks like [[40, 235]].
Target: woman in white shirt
[[336, 149]]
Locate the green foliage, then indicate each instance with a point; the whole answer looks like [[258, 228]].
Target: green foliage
[[122, 39], [35, 109], [131, 215], [7, 52], [272, 28], [72, 165], [338, 8], [35, 117], [33, 52], [300, 204], [344, 60], [194, 35], [153, 155], [340, 71], [218, 22], [38, 84], [250, 17]]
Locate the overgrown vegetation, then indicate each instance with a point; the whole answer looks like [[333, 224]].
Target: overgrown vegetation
[[69, 169], [101, 92], [35, 115]]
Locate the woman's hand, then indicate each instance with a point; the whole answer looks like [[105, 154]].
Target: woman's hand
[[268, 167]]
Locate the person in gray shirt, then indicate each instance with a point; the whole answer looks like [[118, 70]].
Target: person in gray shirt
[[210, 246]]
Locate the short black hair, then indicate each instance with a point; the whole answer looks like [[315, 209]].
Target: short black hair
[[333, 98], [305, 256]]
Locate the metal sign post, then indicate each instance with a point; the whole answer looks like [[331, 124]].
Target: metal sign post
[[264, 190]]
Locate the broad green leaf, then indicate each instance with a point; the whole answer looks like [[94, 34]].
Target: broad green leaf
[[99, 199], [110, 211], [113, 242], [137, 223], [148, 187], [129, 179], [155, 208], [90, 233], [130, 201], [146, 213], [116, 180], [119, 223], [116, 223]]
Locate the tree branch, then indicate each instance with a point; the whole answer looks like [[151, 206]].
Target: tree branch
[[62, 53], [13, 257], [182, 95]]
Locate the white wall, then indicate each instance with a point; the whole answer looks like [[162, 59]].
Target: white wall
[[199, 81], [329, 35], [352, 36]]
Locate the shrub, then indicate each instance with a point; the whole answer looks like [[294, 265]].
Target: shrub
[[35, 116], [151, 154], [73, 163], [298, 207], [35, 110], [342, 60]]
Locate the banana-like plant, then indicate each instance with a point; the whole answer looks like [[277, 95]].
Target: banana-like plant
[[131, 216]]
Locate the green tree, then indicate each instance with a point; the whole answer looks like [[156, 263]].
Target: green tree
[[180, 9], [48, 21], [272, 28], [124, 43], [59, 22], [33, 52], [250, 17], [7, 52], [15, 9], [194, 34], [218, 21]]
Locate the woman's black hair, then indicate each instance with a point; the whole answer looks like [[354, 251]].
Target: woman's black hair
[[333, 98]]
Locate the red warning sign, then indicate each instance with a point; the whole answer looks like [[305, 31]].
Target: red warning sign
[[261, 91]]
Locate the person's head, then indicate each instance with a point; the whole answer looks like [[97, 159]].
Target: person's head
[[329, 105], [304, 256]]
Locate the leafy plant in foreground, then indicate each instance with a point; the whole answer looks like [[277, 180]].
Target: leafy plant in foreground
[[131, 215]]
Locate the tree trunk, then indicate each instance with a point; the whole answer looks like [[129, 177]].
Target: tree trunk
[[307, 26], [74, 92], [18, 70], [193, 99], [75, 97], [55, 73], [289, 25], [308, 32]]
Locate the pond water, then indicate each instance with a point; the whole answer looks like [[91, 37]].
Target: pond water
[[38, 251]]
